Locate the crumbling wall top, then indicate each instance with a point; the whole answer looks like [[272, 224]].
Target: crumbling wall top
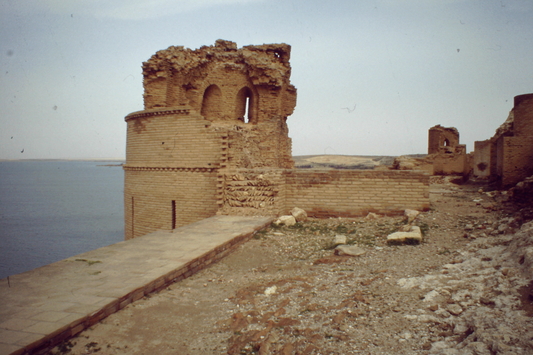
[[266, 64]]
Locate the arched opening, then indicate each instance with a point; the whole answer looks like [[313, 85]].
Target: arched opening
[[212, 103], [245, 105], [446, 142]]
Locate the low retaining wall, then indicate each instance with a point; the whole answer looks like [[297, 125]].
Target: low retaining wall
[[354, 193], [324, 193]]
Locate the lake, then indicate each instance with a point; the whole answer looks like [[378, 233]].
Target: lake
[[52, 210]]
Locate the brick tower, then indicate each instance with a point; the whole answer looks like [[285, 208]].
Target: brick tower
[[206, 111]]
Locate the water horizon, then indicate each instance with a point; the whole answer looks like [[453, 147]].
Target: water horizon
[[53, 209]]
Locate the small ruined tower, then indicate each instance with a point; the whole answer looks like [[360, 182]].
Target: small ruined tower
[[443, 140], [445, 152], [205, 111]]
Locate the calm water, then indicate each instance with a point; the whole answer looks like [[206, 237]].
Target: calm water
[[52, 210]]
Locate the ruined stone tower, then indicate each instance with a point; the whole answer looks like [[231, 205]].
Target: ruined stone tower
[[205, 111], [443, 140]]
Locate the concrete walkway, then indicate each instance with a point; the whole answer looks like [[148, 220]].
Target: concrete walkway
[[42, 307]]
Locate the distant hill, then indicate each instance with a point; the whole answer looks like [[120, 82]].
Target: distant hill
[[345, 161]]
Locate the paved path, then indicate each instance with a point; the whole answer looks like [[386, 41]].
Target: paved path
[[45, 306]]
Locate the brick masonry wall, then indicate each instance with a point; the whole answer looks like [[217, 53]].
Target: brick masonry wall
[[324, 193], [352, 193], [253, 192], [523, 115], [450, 164], [265, 144], [482, 157], [171, 137], [517, 160], [172, 154], [149, 196]]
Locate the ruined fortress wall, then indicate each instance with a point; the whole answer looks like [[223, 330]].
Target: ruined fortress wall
[[442, 138], [167, 198], [511, 158], [523, 115], [170, 175], [481, 163], [245, 91], [265, 144], [351, 193], [206, 111], [171, 137], [324, 193], [517, 160], [450, 164], [254, 192]]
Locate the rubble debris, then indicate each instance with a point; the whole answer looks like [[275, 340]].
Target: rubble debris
[[286, 221], [349, 250], [299, 214], [413, 236], [340, 239]]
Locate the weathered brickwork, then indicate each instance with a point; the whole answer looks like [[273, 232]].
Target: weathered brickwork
[[448, 156], [325, 193], [511, 148], [443, 139], [206, 110], [482, 159], [256, 192], [517, 160], [171, 138], [166, 198], [351, 193], [213, 139]]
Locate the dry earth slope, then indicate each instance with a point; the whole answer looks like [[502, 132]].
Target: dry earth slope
[[464, 290]]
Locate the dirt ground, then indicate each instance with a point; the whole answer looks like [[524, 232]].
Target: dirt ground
[[461, 291]]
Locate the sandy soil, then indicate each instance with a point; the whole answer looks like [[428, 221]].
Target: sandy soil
[[286, 292]]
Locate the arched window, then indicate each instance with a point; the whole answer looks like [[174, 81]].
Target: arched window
[[446, 142], [245, 105], [212, 103]]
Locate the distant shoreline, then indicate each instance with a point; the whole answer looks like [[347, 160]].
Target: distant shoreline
[[52, 160]]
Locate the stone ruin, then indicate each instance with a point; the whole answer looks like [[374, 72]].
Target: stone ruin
[[444, 151], [445, 155], [213, 139], [503, 160], [507, 157], [246, 90]]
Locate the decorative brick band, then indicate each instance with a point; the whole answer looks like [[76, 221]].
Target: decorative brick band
[[161, 112], [158, 168]]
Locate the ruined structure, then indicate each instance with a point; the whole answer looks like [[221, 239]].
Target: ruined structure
[[507, 158], [206, 109], [213, 139], [445, 155], [444, 151]]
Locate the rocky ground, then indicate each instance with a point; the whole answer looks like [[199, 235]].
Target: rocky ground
[[464, 290]]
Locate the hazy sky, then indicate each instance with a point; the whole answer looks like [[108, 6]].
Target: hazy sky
[[372, 75]]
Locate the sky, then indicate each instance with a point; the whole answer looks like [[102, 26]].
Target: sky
[[372, 75]]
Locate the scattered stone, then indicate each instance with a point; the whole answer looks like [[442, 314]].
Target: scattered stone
[[434, 307], [430, 296], [414, 236], [502, 228], [349, 250], [285, 220], [454, 309], [299, 214], [372, 215], [271, 290], [411, 215], [340, 239]]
